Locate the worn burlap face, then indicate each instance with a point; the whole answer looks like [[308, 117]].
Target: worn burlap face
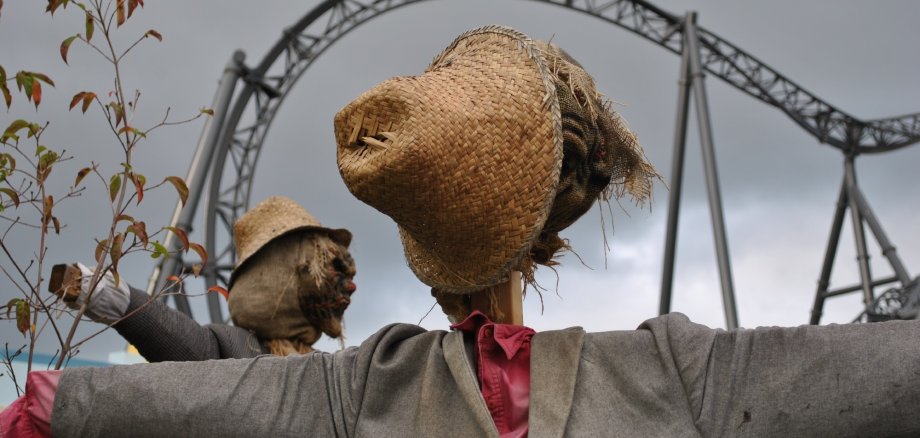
[[294, 288]]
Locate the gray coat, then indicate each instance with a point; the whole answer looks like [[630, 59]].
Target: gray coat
[[161, 333], [669, 378]]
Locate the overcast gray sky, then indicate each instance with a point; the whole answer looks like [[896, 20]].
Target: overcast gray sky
[[779, 184]]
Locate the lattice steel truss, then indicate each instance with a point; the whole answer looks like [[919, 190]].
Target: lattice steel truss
[[236, 150]]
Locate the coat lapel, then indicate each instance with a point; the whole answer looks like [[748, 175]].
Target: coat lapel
[[553, 370], [459, 364]]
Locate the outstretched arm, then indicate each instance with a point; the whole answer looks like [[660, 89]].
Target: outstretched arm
[[162, 333], [837, 380]]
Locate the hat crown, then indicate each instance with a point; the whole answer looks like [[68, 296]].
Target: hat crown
[[271, 218]]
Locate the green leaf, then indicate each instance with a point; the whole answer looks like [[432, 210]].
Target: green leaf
[[180, 186], [18, 125], [116, 251], [7, 96], [101, 249], [90, 26], [114, 186], [158, 250], [22, 317]]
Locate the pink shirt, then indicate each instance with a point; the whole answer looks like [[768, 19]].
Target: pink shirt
[[503, 361], [30, 414]]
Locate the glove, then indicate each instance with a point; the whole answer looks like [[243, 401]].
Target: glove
[[109, 301]]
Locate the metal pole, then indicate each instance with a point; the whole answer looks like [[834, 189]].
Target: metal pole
[[712, 177], [862, 255], [829, 255], [198, 171], [888, 250], [677, 170]]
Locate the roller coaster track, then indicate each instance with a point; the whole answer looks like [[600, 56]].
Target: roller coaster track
[[269, 82]]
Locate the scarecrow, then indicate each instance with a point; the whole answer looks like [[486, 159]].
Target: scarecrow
[[470, 160], [292, 282]]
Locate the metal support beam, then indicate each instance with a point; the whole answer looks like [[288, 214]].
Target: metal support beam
[[712, 178], [677, 175], [888, 250], [859, 233], [824, 281], [197, 175]]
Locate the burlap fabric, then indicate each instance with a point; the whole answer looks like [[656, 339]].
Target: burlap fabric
[[272, 218], [468, 158], [291, 289]]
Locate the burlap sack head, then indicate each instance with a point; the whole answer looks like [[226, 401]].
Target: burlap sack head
[[297, 286], [481, 160], [271, 219]]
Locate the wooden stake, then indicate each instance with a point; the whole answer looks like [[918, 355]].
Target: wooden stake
[[508, 305]]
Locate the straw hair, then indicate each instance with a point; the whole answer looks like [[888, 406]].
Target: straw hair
[[271, 219]]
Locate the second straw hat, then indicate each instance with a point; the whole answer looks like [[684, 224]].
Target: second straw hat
[[272, 218]]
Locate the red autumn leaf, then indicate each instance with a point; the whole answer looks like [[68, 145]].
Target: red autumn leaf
[[76, 99], [82, 174], [88, 100], [173, 278], [65, 46], [36, 93], [12, 195], [201, 252], [139, 181], [124, 217], [140, 230], [223, 292], [43, 78], [154, 34], [132, 4], [182, 235], [116, 251], [180, 186], [120, 12]]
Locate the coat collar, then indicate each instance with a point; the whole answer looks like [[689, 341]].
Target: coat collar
[[462, 371], [553, 369]]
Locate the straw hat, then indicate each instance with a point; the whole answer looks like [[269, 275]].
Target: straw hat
[[272, 218], [474, 159]]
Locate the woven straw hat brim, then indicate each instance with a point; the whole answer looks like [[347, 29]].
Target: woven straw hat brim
[[271, 219], [465, 158]]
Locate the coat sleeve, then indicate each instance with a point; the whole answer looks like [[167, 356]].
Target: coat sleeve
[[317, 394], [851, 380], [161, 333]]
